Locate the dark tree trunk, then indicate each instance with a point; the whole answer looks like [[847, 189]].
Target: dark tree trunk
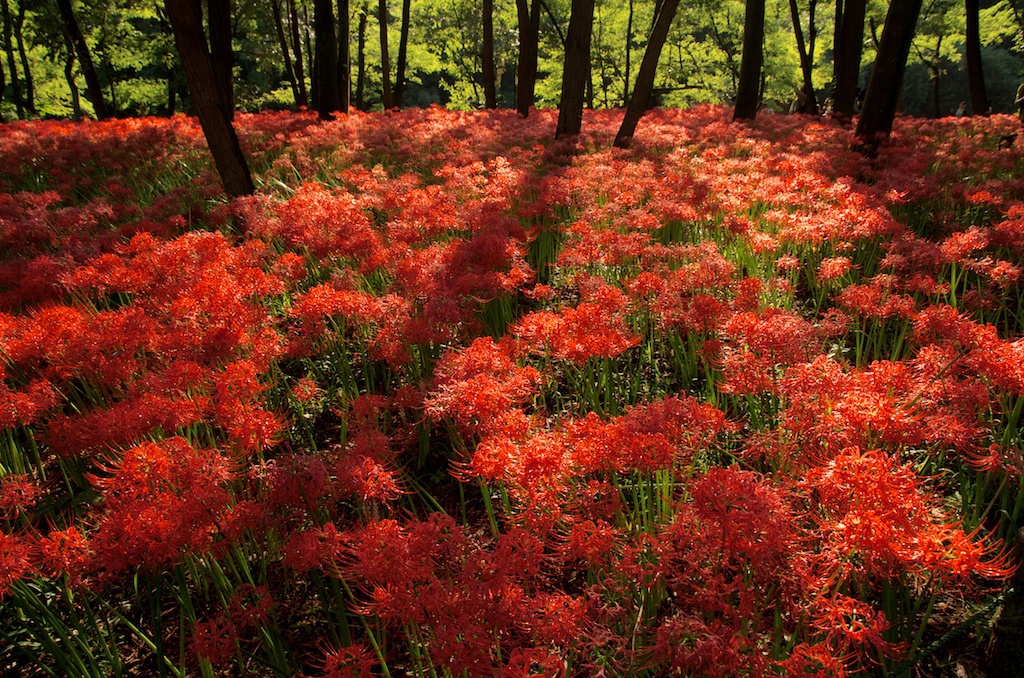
[[69, 75], [490, 92], [749, 88], [19, 36], [639, 102], [11, 63], [936, 69], [629, 54], [526, 71], [282, 41], [3, 86], [385, 62], [403, 47], [364, 13], [576, 73], [172, 96], [328, 99], [883, 93], [809, 103], [300, 74], [219, 21], [92, 81], [975, 73], [187, 24], [850, 43], [344, 60]]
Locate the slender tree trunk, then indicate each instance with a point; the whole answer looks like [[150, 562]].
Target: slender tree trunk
[[385, 62], [883, 93], [576, 72], [328, 99], [187, 23], [810, 101], [172, 96], [275, 8], [9, 50], [403, 46], [69, 75], [19, 36], [848, 50], [629, 53], [748, 90], [364, 13], [490, 93], [92, 81], [219, 20], [975, 73], [526, 71], [639, 101], [936, 69], [3, 86], [300, 75], [344, 59]]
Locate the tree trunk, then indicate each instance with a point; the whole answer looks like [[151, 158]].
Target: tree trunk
[[364, 13], [344, 60], [69, 75], [490, 92], [92, 81], [748, 90], [848, 50], [3, 86], [403, 46], [219, 21], [282, 41], [975, 73], [187, 24], [640, 100], [526, 70], [809, 102], [300, 74], [883, 93], [19, 36], [328, 99], [11, 64], [629, 53], [576, 73], [385, 62]]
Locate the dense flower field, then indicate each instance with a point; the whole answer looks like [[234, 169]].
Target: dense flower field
[[448, 398]]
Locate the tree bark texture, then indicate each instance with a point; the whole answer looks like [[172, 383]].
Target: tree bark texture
[[328, 100], [186, 22], [19, 36], [748, 90], [403, 48], [526, 70], [975, 73], [8, 33], [886, 81], [385, 62], [300, 74], [639, 102], [847, 58], [219, 21], [576, 72], [344, 59], [490, 90], [92, 81], [364, 12]]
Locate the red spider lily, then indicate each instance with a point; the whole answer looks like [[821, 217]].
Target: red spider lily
[[160, 502], [479, 383], [17, 557], [355, 661], [18, 494], [876, 519]]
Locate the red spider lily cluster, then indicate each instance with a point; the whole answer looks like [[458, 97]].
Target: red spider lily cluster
[[448, 397]]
